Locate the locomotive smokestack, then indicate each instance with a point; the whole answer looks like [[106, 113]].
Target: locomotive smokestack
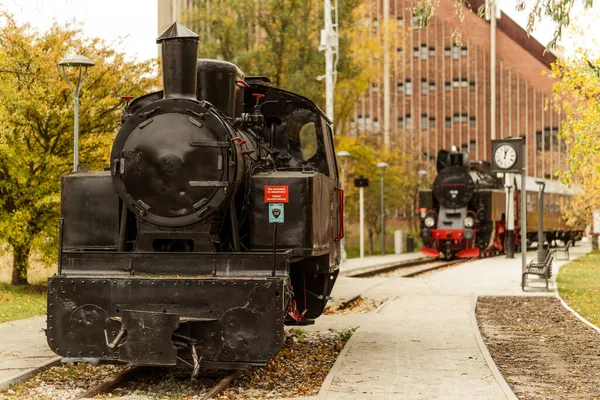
[[179, 47]]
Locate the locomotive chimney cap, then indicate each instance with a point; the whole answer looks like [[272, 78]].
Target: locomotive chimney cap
[[177, 31]]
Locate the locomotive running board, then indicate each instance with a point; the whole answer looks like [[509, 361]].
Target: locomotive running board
[[429, 252], [469, 253]]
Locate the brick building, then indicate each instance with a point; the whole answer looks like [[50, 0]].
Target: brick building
[[440, 90]]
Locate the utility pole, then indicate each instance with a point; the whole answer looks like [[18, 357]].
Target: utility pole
[[386, 76], [492, 16], [329, 43]]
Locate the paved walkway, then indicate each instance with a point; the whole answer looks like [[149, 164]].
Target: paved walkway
[[423, 343], [355, 264], [23, 348]]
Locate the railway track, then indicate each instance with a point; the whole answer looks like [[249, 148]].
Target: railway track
[[407, 270], [131, 373]]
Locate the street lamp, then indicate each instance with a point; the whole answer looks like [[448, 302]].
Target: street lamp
[[383, 166], [81, 63], [343, 156]]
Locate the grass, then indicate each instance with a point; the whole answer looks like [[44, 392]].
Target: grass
[[579, 285], [18, 302]]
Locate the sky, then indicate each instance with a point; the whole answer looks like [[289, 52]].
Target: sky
[[135, 22]]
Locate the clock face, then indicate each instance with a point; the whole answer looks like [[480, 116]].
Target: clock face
[[505, 156]]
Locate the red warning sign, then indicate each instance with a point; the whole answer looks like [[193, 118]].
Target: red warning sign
[[276, 194]]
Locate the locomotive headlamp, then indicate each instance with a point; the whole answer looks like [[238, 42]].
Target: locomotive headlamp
[[429, 221], [469, 222]]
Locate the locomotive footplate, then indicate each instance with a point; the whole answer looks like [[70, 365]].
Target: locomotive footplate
[[213, 322]]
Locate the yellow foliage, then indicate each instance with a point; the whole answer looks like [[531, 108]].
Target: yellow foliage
[[36, 125]]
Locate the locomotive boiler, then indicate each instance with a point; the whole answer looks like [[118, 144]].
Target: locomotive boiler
[[463, 215], [169, 257]]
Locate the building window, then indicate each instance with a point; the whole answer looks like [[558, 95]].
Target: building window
[[546, 138], [447, 51], [456, 118], [455, 82], [375, 87], [463, 117], [416, 52], [448, 122], [400, 87], [424, 51], [464, 82], [473, 144], [400, 51], [375, 22], [464, 147], [431, 51], [447, 86], [424, 121], [455, 52], [472, 86], [472, 121], [555, 136], [408, 121], [424, 86], [432, 122], [400, 122], [416, 21], [408, 87], [431, 86], [463, 51], [400, 20], [538, 140]]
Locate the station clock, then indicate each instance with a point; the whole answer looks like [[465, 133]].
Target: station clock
[[507, 155]]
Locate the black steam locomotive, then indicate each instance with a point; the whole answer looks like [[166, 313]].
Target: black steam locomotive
[[218, 222], [463, 215]]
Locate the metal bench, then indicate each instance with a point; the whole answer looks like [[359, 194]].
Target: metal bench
[[539, 267], [564, 251]]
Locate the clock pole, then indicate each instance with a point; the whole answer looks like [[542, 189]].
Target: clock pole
[[510, 214], [508, 159]]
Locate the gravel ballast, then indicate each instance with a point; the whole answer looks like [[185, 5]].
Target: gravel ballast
[[542, 350], [298, 370]]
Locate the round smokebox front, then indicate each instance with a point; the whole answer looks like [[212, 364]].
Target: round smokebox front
[[172, 168]]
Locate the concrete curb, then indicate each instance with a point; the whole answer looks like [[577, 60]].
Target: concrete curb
[[336, 367], [487, 357], [23, 376]]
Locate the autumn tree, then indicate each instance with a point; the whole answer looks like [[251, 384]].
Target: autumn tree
[[36, 125], [401, 182], [577, 93], [280, 39]]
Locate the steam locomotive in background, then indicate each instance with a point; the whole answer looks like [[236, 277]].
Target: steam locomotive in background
[[463, 215], [169, 257]]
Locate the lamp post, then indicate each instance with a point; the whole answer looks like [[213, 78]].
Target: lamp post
[[382, 166], [343, 157], [81, 63]]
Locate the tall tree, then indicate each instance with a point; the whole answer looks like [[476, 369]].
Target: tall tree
[[36, 124], [577, 93], [401, 183], [280, 39]]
